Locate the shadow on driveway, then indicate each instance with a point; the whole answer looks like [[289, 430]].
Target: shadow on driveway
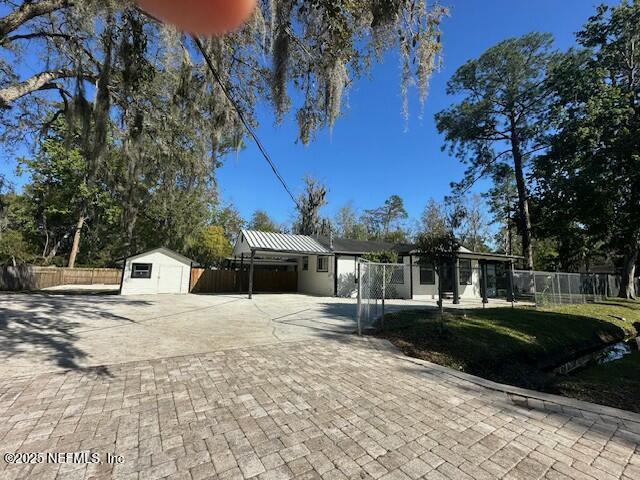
[[43, 325]]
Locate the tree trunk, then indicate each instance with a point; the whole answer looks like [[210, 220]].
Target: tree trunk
[[523, 198], [76, 241], [627, 284], [54, 251], [131, 218]]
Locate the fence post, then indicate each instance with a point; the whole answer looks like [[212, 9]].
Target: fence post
[[384, 293], [359, 280]]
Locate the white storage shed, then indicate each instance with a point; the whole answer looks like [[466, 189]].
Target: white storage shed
[[159, 271]]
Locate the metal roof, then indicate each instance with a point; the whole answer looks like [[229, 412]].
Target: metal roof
[[280, 242]]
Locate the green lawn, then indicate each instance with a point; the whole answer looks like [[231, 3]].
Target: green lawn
[[516, 346]]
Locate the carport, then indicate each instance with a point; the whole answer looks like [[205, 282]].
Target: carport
[[260, 247]]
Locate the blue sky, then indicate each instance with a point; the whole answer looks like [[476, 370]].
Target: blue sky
[[371, 154]]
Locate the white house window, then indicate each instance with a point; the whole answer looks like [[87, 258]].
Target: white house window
[[465, 272], [427, 275], [305, 263], [323, 264], [141, 270]]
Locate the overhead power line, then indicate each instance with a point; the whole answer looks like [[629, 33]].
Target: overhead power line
[[244, 121], [238, 110]]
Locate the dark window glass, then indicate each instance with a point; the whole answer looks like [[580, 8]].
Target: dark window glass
[[323, 264], [141, 270], [465, 272], [305, 263], [427, 275]]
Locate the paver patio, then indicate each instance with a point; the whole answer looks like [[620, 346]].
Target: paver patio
[[330, 409]]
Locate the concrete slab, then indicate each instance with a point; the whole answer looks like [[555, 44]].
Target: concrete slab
[[57, 331], [83, 289], [47, 332]]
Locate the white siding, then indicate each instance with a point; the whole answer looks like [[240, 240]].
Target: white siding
[[169, 275], [473, 290], [347, 273], [313, 282]]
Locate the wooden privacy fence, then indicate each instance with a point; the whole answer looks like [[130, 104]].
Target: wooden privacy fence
[[25, 278], [229, 281]]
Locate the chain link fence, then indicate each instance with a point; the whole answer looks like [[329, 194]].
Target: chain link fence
[[377, 283], [385, 287], [557, 288]]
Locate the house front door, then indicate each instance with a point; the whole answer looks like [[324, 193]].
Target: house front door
[[492, 281], [447, 277]]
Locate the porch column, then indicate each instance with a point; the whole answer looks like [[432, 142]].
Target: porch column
[[241, 273], [485, 294], [411, 274], [253, 256], [456, 281], [335, 275], [510, 293]]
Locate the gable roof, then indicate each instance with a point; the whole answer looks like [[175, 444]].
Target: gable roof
[[166, 251], [251, 240]]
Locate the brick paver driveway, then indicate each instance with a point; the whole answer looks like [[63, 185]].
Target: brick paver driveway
[[312, 409]]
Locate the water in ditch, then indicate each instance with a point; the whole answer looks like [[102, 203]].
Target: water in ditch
[[600, 357]]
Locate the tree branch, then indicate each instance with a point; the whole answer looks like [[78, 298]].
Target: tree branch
[[28, 11], [31, 36], [40, 81], [484, 171]]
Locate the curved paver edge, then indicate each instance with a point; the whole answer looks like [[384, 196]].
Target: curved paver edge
[[522, 395]]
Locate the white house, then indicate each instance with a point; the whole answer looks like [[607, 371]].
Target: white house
[[159, 271], [313, 260], [329, 267]]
